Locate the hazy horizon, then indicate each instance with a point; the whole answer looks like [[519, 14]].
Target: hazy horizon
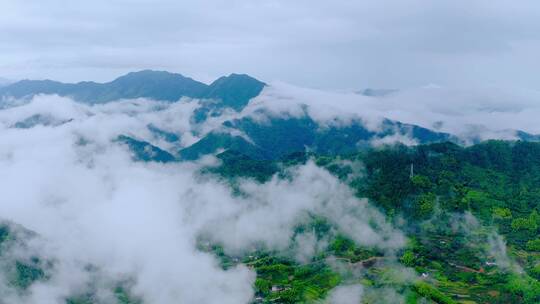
[[338, 45]]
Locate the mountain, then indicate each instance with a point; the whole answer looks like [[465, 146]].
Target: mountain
[[39, 120], [521, 135], [454, 206], [150, 84], [143, 151], [470, 215], [436, 222], [280, 137], [233, 91]]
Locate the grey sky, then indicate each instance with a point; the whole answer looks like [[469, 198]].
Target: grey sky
[[336, 44]]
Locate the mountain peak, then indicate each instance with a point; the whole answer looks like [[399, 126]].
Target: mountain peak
[[235, 90], [235, 78], [153, 76], [149, 73]]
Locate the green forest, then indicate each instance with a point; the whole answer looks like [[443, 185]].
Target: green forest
[[470, 215]]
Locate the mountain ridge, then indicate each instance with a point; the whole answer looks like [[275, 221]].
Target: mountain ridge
[[234, 90]]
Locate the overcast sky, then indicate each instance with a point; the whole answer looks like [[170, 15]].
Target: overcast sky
[[334, 44]]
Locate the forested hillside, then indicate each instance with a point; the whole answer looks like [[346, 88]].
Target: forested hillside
[[470, 215]]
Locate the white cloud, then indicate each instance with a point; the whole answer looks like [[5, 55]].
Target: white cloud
[[346, 294], [91, 204], [471, 114]]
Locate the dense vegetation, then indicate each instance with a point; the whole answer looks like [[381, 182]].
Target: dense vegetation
[[278, 137], [471, 216]]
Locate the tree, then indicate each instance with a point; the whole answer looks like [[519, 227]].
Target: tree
[[524, 224], [502, 213], [425, 205], [408, 258], [533, 245]]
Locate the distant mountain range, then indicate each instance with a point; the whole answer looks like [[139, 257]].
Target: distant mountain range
[[233, 91], [274, 138], [279, 137]]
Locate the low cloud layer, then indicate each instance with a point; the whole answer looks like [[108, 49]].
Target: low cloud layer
[[471, 114], [347, 294], [90, 204]]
